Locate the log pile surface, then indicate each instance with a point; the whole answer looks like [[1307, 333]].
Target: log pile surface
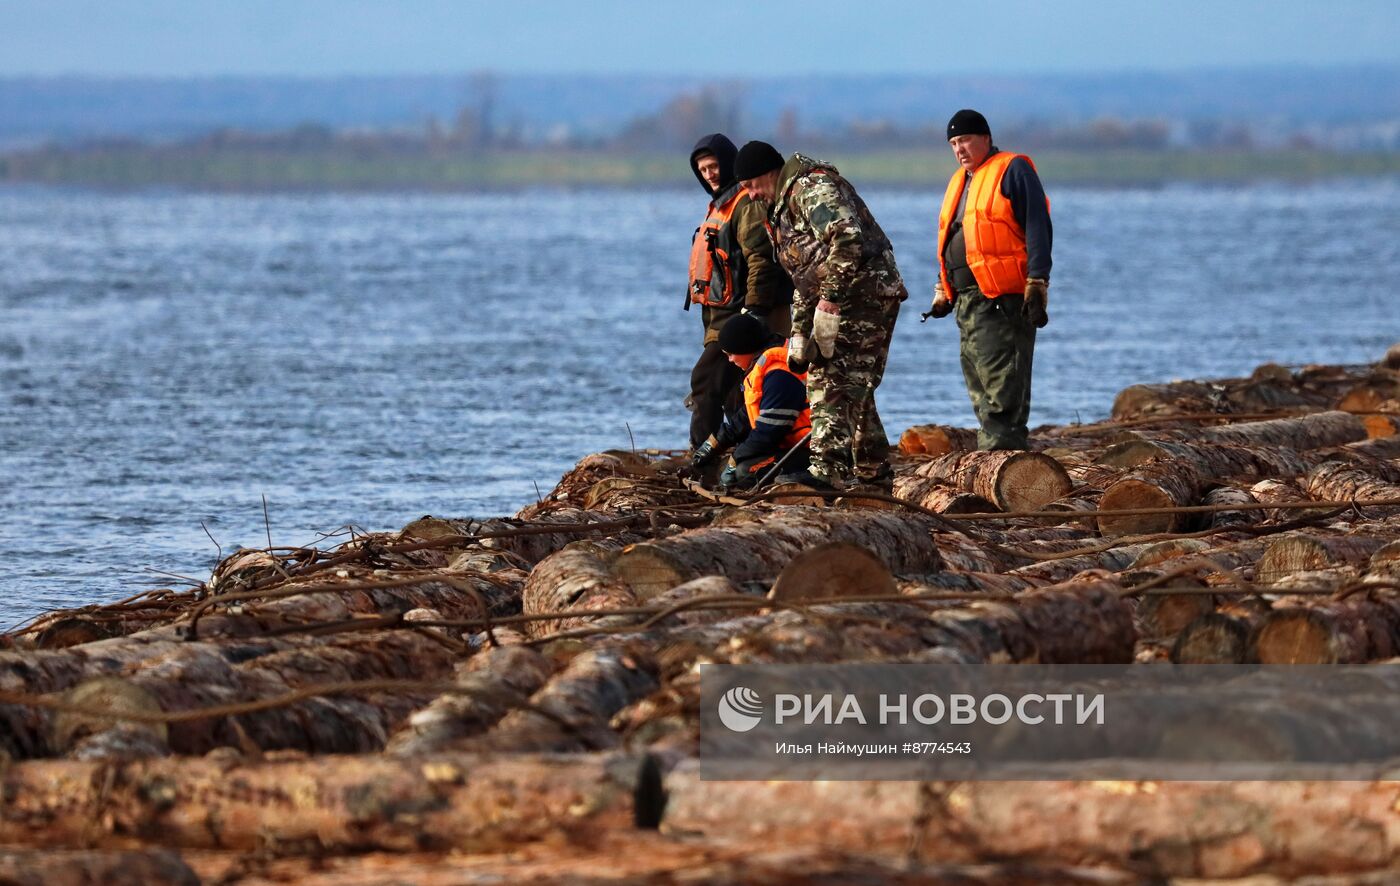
[[517, 699]]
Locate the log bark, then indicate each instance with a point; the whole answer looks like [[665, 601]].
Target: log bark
[[1304, 432], [1212, 461], [1178, 829], [1351, 631], [1280, 492], [571, 712], [575, 578], [937, 495], [1157, 484], [1337, 481], [760, 550], [495, 681], [1300, 552], [1113, 560], [329, 805], [1011, 480], [1231, 495], [32, 867], [1380, 448], [1181, 397], [935, 440]]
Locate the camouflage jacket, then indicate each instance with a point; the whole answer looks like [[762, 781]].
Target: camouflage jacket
[[827, 240]]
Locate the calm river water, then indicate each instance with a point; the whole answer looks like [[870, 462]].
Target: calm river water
[[167, 360]]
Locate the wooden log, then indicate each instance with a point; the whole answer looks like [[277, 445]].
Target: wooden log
[[1385, 562], [935, 440], [1222, 636], [1086, 621], [699, 589], [1012, 480], [1281, 492], [973, 582], [1179, 829], [576, 578], [834, 569], [1214, 461], [340, 724], [1178, 397], [1338, 481], [937, 495], [760, 550], [1355, 630], [1391, 360], [1306, 551], [1301, 433], [571, 711], [1113, 560], [1378, 448], [330, 805], [36, 867], [1164, 616], [1231, 495], [1157, 484], [495, 681]]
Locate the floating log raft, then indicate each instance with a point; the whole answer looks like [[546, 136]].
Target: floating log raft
[[466, 685]]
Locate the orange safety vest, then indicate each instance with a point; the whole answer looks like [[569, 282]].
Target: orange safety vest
[[996, 245], [711, 267], [770, 360]]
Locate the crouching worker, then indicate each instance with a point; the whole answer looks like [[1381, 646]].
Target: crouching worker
[[775, 417]]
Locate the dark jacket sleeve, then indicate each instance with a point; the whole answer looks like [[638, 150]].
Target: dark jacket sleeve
[[784, 398], [1022, 187], [768, 284], [732, 429]]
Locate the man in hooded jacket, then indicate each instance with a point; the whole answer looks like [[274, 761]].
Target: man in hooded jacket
[[732, 270]]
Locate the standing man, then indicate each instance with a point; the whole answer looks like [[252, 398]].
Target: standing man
[[994, 267], [731, 270], [844, 309]]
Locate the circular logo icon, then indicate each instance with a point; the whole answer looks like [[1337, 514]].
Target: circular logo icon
[[740, 709]]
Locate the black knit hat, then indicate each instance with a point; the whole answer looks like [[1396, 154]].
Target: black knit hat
[[743, 334], [968, 122], [756, 158]]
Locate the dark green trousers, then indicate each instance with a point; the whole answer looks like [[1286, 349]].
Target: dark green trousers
[[997, 347]]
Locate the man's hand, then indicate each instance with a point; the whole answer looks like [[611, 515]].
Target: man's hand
[[797, 354], [1033, 304], [704, 453], [942, 305], [826, 322]]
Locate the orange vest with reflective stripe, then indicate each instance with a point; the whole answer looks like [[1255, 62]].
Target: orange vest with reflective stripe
[[771, 359], [996, 245], [711, 266]]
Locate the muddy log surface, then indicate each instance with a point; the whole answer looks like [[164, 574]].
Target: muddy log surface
[[517, 699]]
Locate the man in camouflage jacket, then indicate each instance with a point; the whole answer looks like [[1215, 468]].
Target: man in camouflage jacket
[[848, 292]]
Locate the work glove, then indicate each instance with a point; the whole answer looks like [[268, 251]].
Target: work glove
[[759, 311], [704, 453], [1033, 304], [942, 305], [824, 328], [797, 354], [729, 478]]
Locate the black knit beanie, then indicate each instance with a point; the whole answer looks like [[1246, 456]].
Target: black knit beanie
[[756, 158], [968, 122], [743, 334]]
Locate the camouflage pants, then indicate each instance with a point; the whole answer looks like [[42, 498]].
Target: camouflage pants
[[997, 348], [848, 442]]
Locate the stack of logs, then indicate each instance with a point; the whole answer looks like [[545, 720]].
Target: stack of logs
[[516, 700]]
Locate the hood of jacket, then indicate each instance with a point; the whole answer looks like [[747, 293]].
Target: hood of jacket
[[718, 144], [796, 166]]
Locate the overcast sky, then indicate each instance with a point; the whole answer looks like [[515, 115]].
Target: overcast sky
[[753, 38]]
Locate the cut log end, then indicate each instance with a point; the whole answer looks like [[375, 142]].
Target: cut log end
[[1296, 637], [835, 569], [1212, 639], [1133, 494], [1030, 480], [649, 571], [110, 694]]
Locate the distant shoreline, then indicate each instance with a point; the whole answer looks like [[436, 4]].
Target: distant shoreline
[[247, 170]]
